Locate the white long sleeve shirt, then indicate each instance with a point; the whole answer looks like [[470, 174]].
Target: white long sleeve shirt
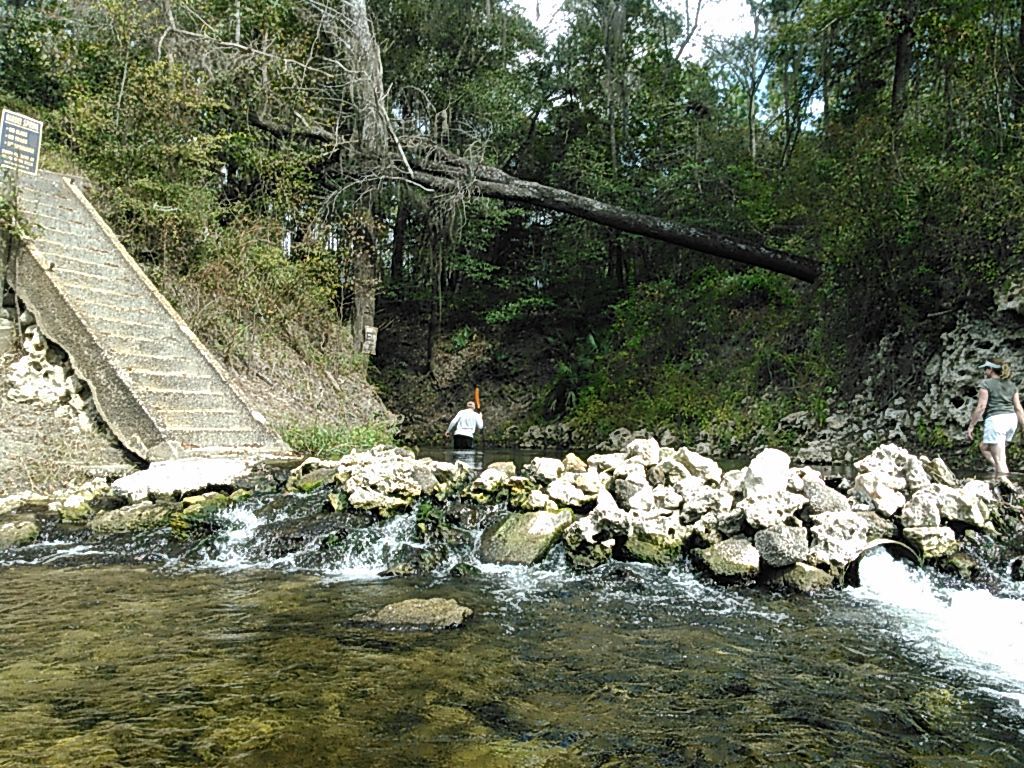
[[466, 422]]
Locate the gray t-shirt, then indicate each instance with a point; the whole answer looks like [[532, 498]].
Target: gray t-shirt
[[1000, 396]]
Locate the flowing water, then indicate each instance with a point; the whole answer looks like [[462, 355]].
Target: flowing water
[[240, 654]]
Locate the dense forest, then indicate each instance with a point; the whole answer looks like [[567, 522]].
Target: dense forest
[[611, 206]]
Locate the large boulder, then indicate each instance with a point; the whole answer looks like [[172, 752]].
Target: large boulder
[[134, 517], [767, 474], [837, 538], [644, 451], [924, 510], [587, 543], [805, 578], [706, 469], [543, 470], [564, 492], [523, 537], [182, 477], [492, 481], [699, 499], [881, 490], [767, 510], [629, 482], [821, 498], [971, 504]]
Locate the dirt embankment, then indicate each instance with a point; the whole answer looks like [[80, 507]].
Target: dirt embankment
[[426, 381]]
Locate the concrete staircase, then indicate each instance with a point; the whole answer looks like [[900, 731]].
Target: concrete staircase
[[154, 383]]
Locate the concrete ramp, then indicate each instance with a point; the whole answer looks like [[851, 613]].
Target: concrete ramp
[[154, 383]]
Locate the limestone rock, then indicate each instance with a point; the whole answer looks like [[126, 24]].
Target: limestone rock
[[837, 537], [182, 477], [769, 510], [430, 613], [782, 545], [767, 474], [734, 558], [821, 498], [706, 469], [699, 499], [18, 533], [924, 510], [491, 481], [805, 578], [879, 489], [565, 493], [932, 542], [524, 537], [136, 517], [544, 470], [573, 463]]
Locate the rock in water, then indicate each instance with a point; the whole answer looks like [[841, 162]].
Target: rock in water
[[431, 613]]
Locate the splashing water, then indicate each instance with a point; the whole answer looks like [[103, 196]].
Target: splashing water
[[965, 628]]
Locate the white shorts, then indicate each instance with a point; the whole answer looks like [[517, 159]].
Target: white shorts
[[999, 428]]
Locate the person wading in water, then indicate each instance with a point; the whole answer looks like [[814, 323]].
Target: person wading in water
[[999, 406], [464, 425]]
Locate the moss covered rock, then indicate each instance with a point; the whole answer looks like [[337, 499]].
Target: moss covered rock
[[524, 538]]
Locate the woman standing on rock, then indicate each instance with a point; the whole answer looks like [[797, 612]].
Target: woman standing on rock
[[999, 406]]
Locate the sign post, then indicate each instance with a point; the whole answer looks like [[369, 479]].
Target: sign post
[[21, 139]]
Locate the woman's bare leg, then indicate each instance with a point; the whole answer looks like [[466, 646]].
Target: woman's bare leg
[[999, 455], [986, 451]]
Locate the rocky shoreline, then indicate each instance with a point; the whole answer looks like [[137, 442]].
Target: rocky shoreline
[[772, 523]]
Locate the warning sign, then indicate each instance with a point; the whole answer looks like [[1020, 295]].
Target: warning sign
[[21, 138]]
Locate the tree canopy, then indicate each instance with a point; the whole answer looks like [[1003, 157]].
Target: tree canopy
[[878, 145]]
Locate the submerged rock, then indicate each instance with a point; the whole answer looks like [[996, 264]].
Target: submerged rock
[[417, 613]]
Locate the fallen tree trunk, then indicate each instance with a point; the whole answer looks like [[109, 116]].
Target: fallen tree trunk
[[494, 183]]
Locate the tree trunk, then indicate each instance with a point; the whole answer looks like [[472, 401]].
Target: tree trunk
[[905, 18], [493, 183], [372, 134], [398, 244]]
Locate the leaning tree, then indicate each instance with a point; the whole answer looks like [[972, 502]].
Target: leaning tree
[[317, 78]]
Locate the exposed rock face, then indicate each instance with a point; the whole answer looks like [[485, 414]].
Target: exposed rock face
[[431, 613]]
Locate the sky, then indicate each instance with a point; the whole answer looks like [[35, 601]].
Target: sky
[[717, 17]]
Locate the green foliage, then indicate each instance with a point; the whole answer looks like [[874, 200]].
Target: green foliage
[[461, 338], [526, 308], [328, 441]]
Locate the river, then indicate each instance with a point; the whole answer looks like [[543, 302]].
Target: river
[[230, 656]]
